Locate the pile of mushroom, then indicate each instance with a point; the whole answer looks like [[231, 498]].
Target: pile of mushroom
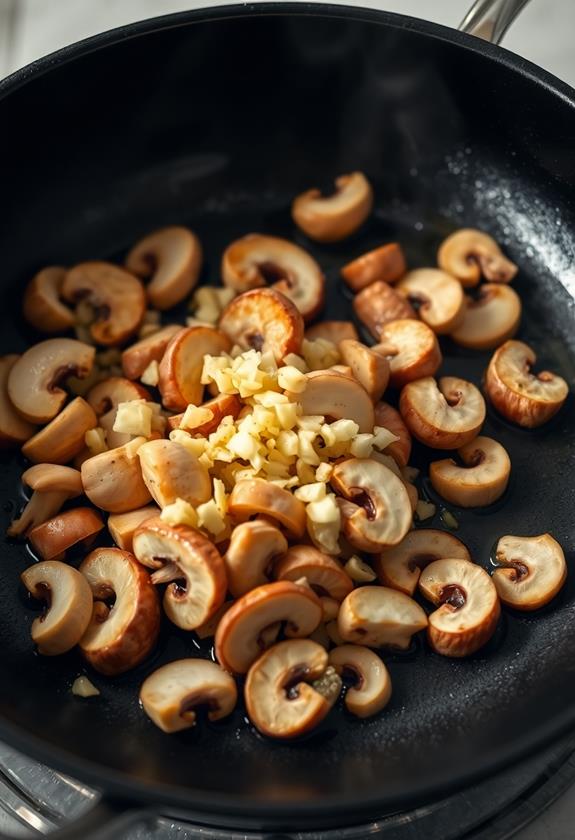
[[251, 473]]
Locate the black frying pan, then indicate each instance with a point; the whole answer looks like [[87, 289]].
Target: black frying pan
[[216, 119]]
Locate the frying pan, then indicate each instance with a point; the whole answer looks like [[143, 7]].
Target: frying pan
[[216, 119]]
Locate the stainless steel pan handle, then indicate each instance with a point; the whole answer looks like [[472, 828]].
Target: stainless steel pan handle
[[490, 19]]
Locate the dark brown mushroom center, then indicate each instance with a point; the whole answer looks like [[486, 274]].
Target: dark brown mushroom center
[[104, 598], [453, 595], [274, 273], [353, 674], [476, 458], [197, 703], [43, 592], [519, 568], [62, 373], [419, 301], [453, 398], [361, 497], [291, 684], [255, 340]]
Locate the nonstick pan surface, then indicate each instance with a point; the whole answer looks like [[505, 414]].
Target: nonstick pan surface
[[217, 119]]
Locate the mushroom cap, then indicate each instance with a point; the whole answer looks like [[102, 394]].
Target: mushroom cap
[[170, 471], [42, 306], [391, 419], [123, 526], [490, 319], [523, 397], [469, 253], [253, 546], [380, 617], [109, 393], [256, 495], [334, 331], [385, 263], [337, 396], [378, 304], [48, 477], [439, 295], [222, 405], [468, 606], [400, 566], [324, 574], [266, 320], [64, 437], [181, 366], [482, 479], [372, 689], [370, 368], [14, 430], [533, 570], [53, 538], [113, 480], [69, 600], [137, 357], [334, 217], [171, 694], [241, 636], [411, 349], [279, 700], [445, 414]]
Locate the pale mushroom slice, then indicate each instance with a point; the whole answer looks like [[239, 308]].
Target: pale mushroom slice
[[334, 217], [113, 480], [469, 254], [257, 496], [376, 510], [336, 396], [171, 695], [371, 691], [324, 574], [334, 331], [490, 318], [119, 636], [14, 430], [222, 405], [180, 370], [64, 437], [68, 599], [531, 571], [412, 350], [170, 471], [52, 539], [116, 297], [481, 480], [445, 414], [138, 356], [437, 296], [378, 304], [172, 257], [468, 606], [123, 526], [52, 485], [34, 380], [256, 260], [370, 368], [192, 566], [386, 263], [388, 417], [109, 393], [380, 617], [250, 555], [400, 567], [266, 320], [42, 306], [253, 622], [522, 397]]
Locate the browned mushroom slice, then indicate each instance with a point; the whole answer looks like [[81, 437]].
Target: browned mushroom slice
[[444, 415], [334, 217], [490, 319], [390, 419], [334, 331], [108, 394], [437, 296], [468, 606], [137, 357], [264, 319], [386, 263], [182, 363], [42, 305], [400, 566], [113, 480], [123, 526], [170, 471], [172, 257], [323, 573], [531, 571], [54, 537], [411, 349], [256, 495], [223, 405], [469, 254], [481, 480], [171, 695], [371, 691], [378, 304], [380, 617], [13, 429], [52, 485], [64, 436], [337, 396], [370, 368], [249, 558]]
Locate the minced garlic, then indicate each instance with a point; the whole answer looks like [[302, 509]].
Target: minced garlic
[[151, 375], [95, 440], [180, 512], [133, 418]]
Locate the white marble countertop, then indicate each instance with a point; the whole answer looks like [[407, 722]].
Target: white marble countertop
[[543, 34]]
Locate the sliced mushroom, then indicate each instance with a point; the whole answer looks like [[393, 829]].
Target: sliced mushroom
[[68, 599], [380, 617], [532, 571], [52, 485], [337, 396], [390, 419], [223, 405], [521, 396], [468, 606], [371, 369], [171, 695], [437, 296], [117, 298], [481, 480], [172, 257], [252, 549], [113, 480], [13, 429], [256, 260], [264, 319], [386, 263], [400, 566], [377, 511], [411, 349], [33, 381], [371, 691], [444, 415], [256, 495], [378, 304], [53, 538], [170, 471], [207, 630], [334, 331], [323, 573], [108, 394], [119, 636], [490, 319], [137, 357], [241, 635], [469, 254], [63, 437], [123, 526], [191, 565], [181, 366], [42, 305], [334, 217]]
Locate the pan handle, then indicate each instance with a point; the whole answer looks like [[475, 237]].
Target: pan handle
[[490, 19]]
